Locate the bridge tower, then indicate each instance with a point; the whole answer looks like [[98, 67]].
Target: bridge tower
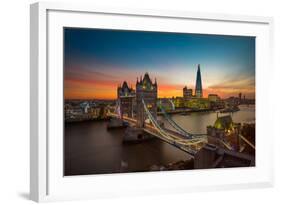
[[147, 91], [125, 99]]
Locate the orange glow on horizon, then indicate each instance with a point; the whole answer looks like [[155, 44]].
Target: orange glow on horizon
[[78, 89]]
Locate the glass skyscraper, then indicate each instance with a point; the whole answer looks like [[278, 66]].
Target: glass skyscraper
[[198, 86]]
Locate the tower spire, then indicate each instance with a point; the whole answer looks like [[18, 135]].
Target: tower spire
[[198, 86]]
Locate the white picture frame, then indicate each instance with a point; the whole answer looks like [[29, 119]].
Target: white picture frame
[[47, 182]]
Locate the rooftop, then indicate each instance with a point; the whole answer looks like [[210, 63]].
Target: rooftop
[[224, 122]]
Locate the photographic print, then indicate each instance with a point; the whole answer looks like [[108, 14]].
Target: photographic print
[[140, 101]]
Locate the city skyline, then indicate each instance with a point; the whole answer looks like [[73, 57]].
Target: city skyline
[[96, 61]]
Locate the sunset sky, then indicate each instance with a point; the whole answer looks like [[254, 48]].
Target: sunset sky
[[96, 61]]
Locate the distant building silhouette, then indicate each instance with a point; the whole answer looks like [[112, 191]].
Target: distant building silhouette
[[187, 92], [198, 86], [213, 97]]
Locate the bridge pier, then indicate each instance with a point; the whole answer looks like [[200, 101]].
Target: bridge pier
[[135, 134], [115, 123]]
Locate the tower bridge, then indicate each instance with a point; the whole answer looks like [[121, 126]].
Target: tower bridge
[[139, 110], [145, 119]]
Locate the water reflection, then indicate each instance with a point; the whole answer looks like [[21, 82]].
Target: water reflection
[[91, 149]]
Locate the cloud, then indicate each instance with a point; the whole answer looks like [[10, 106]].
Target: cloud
[[233, 86], [239, 82], [83, 73]]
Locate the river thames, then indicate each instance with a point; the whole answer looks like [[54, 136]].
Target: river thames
[[89, 148]]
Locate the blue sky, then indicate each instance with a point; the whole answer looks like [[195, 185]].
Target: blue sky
[[105, 58]]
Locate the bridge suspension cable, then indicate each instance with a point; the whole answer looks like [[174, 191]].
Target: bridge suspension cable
[[247, 141], [173, 104], [227, 144], [183, 144], [117, 108], [177, 127]]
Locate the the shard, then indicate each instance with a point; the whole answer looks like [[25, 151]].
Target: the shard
[[198, 86]]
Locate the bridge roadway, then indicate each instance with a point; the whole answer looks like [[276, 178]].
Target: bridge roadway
[[191, 146]]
